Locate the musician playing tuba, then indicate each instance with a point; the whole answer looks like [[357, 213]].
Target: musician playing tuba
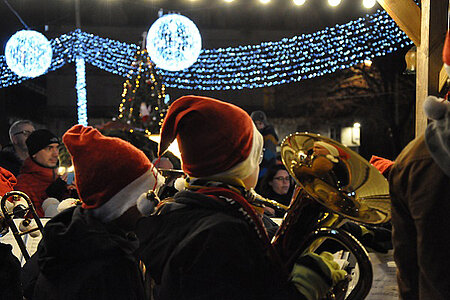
[[208, 241]]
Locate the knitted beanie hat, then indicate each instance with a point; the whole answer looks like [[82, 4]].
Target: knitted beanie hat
[[213, 136], [259, 115], [39, 139], [110, 173]]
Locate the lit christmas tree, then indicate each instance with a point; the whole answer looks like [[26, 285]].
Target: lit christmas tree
[[143, 105]]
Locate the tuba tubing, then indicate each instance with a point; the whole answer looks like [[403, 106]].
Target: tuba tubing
[[23, 211], [334, 185], [306, 225], [362, 288]]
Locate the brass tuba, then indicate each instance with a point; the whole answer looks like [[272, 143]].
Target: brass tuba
[[334, 184], [26, 211]]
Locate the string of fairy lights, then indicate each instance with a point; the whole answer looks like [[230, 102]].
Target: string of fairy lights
[[244, 67], [142, 64]]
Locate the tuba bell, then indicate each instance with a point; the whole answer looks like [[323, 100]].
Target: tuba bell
[[334, 185], [23, 210]]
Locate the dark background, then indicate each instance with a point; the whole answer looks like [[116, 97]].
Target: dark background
[[381, 97]]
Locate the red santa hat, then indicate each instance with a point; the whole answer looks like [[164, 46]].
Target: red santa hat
[[382, 164], [110, 173], [213, 136], [446, 53]]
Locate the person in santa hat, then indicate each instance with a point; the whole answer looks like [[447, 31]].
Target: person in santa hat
[[87, 251], [419, 182], [208, 241]]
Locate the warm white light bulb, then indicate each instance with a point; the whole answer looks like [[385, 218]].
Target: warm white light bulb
[[264, 1], [357, 125], [229, 1], [334, 2], [299, 2], [369, 3]]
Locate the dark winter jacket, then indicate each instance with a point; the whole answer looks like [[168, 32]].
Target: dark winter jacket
[[420, 193], [9, 160], [199, 248], [9, 274], [283, 199], [80, 257]]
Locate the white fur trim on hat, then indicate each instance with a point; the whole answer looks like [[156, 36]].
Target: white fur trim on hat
[[67, 203], [128, 196], [245, 168]]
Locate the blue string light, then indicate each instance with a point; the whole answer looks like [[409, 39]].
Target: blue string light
[[81, 91], [244, 67]]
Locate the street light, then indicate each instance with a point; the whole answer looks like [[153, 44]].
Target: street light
[[334, 2], [369, 3], [299, 2]]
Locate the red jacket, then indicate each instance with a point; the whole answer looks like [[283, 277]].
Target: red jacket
[[33, 180], [7, 181]]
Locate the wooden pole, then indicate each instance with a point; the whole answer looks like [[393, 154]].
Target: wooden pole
[[429, 56], [426, 27]]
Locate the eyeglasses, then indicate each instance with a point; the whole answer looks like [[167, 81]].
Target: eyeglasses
[[282, 178], [24, 132], [261, 156]]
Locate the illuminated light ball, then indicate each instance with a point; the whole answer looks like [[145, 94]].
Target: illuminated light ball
[[369, 3], [334, 2], [299, 2], [28, 53], [264, 1], [174, 42]]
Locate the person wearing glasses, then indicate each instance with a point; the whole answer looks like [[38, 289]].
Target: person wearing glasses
[[12, 156], [277, 185]]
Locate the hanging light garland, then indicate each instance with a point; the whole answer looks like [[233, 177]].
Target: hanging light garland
[[251, 66], [81, 91]]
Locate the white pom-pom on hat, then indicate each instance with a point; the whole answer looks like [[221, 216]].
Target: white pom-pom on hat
[[435, 108], [49, 206], [180, 184], [146, 203]]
